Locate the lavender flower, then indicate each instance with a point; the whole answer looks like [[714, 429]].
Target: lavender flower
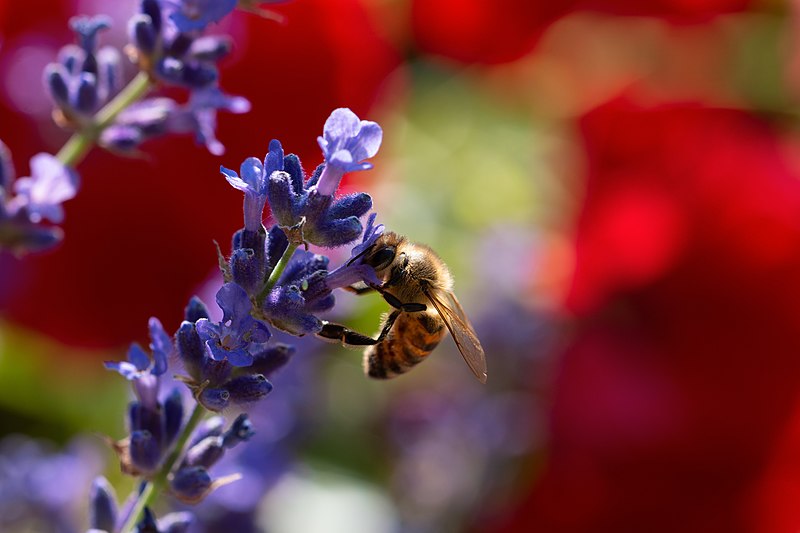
[[156, 117], [39, 197], [238, 335], [166, 42], [85, 77], [346, 143], [253, 183], [193, 15], [310, 204], [43, 488]]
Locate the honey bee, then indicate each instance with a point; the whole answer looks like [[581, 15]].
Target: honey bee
[[419, 286]]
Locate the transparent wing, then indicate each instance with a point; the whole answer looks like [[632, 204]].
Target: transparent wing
[[461, 330]]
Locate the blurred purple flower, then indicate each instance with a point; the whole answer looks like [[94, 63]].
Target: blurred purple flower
[[41, 194], [84, 77], [43, 489], [193, 15]]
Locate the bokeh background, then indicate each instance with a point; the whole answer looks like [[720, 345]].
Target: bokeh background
[[614, 184]]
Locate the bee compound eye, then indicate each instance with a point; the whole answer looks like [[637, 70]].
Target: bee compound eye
[[382, 258]]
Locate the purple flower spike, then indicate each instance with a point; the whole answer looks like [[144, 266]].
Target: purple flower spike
[[346, 143], [238, 334], [194, 15], [50, 184]]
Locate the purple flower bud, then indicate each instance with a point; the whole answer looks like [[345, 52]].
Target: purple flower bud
[[121, 138], [268, 361], [191, 349], [86, 98], [205, 453], [245, 270], [211, 48], [110, 72], [175, 523], [173, 416], [6, 168], [351, 205], [195, 310], [72, 58], [148, 522], [144, 451], [55, 81], [160, 345], [282, 198], [143, 34], [214, 399], [143, 418], [152, 9], [277, 242], [248, 388], [102, 505], [240, 431], [145, 385], [191, 484]]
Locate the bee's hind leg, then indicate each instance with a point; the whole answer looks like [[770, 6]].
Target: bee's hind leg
[[347, 336]]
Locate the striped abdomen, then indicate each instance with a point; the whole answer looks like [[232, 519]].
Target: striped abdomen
[[412, 337]]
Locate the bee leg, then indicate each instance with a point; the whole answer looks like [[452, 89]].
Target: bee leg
[[341, 333], [397, 304], [344, 335]]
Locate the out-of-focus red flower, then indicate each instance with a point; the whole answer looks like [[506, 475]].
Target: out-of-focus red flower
[[482, 31], [676, 10], [684, 370], [499, 31], [139, 234]]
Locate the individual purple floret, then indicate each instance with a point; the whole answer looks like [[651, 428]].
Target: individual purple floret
[[309, 203], [346, 143], [194, 15], [49, 185], [84, 77], [252, 181], [156, 117], [238, 335], [39, 197]]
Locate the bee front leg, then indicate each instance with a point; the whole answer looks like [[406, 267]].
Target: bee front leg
[[347, 336]]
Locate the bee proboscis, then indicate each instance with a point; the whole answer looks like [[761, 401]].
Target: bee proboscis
[[419, 286]]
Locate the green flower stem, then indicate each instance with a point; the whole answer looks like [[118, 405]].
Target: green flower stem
[[82, 141], [153, 487], [276, 272]]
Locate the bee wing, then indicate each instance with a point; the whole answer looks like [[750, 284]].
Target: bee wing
[[461, 330]]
